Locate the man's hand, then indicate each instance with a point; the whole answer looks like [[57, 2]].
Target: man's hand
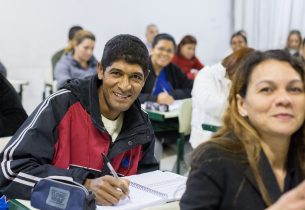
[[165, 98], [107, 189]]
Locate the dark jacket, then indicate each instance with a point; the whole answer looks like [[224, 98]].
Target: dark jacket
[[181, 85], [65, 136], [223, 181], [12, 114]]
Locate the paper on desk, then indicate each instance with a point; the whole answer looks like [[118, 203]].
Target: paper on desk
[[171, 184], [140, 197]]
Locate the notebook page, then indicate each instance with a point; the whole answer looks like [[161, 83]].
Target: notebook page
[[140, 197], [173, 185]]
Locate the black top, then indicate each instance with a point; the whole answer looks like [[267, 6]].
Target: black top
[[181, 85], [12, 114], [224, 181]]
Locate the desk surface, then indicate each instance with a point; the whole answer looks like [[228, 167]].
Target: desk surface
[[26, 205], [18, 82]]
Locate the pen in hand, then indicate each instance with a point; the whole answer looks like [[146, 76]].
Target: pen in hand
[[106, 160]]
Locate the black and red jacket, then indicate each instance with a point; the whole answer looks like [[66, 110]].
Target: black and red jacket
[[65, 136]]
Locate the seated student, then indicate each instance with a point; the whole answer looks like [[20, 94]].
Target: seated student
[[238, 41], [166, 82], [12, 114], [213, 81], [185, 57], [68, 132], [56, 57], [3, 70], [78, 62], [294, 42], [302, 54], [151, 31], [257, 159]]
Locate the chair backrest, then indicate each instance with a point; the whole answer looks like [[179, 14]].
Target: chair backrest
[[3, 142], [185, 117]]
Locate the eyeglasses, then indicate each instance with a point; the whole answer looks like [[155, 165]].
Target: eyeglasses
[[162, 49]]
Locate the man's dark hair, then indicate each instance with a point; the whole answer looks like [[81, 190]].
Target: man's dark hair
[[127, 48], [73, 31], [163, 37]]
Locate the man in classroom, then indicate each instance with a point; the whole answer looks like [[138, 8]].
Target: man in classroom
[[67, 133]]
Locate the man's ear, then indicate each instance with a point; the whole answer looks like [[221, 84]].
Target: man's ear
[[241, 106], [100, 71], [145, 78]]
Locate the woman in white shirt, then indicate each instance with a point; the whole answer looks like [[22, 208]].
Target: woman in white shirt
[[210, 93]]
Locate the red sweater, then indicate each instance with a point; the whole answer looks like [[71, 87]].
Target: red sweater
[[187, 65]]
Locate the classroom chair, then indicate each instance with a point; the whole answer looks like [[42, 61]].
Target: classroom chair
[[184, 118], [50, 85]]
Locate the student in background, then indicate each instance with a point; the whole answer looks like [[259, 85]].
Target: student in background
[[294, 42], [151, 31], [256, 161], [56, 57], [242, 32], [3, 70], [185, 57], [12, 114], [210, 95], [302, 54], [238, 41], [166, 82], [68, 132], [78, 61]]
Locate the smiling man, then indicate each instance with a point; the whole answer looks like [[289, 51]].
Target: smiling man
[[69, 131]]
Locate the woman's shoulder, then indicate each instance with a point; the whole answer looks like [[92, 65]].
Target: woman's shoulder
[[222, 150]]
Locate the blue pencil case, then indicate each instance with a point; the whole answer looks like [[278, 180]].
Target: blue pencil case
[[60, 192]]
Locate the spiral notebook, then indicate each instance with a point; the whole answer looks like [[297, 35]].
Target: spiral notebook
[[140, 197], [149, 189]]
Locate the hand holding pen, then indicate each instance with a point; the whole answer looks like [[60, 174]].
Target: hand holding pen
[[106, 188], [113, 172]]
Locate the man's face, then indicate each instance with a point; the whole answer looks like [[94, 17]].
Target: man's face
[[122, 83]]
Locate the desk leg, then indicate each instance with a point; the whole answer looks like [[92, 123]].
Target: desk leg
[[180, 154], [20, 92]]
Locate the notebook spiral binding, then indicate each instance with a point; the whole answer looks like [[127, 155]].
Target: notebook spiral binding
[[154, 192]]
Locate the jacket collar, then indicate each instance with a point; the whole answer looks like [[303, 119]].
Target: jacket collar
[[269, 178]]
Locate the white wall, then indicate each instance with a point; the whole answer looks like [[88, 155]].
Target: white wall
[[32, 30]]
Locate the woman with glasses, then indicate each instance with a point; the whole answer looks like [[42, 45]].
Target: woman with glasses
[[166, 82]]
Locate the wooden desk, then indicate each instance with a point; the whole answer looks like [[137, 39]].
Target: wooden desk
[[18, 84]]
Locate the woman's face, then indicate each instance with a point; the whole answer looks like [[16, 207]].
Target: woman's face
[[237, 43], [294, 42], [84, 50], [275, 100], [163, 53], [188, 51]]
